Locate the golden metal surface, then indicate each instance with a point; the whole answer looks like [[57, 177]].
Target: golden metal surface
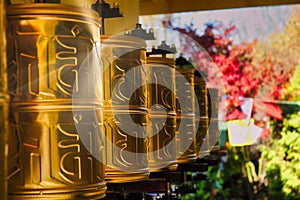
[[202, 120], [122, 55], [213, 133], [51, 42], [213, 102], [162, 152], [121, 166], [3, 103], [208, 131], [117, 176], [3, 147], [201, 141], [188, 95], [213, 106], [161, 91], [162, 105], [186, 116], [47, 157], [201, 93]]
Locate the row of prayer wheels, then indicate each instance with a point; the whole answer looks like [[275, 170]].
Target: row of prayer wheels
[[87, 109]]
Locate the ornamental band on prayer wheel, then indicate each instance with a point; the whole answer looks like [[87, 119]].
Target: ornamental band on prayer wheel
[[48, 44], [202, 119], [213, 107], [186, 145], [162, 105], [197, 96], [125, 108]]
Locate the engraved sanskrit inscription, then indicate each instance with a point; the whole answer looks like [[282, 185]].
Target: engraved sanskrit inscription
[[44, 57]]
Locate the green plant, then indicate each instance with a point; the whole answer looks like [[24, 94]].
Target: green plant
[[210, 189], [232, 179], [241, 172], [282, 150], [292, 92], [282, 153]]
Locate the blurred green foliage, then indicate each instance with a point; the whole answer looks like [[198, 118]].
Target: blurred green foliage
[[282, 153], [282, 150]]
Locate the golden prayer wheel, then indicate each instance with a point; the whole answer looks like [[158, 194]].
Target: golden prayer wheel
[[3, 103], [47, 156], [202, 120], [50, 42], [125, 108], [118, 161], [55, 131], [214, 132], [3, 146], [162, 106], [185, 109]]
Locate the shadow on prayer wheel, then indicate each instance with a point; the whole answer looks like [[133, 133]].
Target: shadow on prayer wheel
[[48, 46], [211, 123], [202, 147], [186, 144], [125, 108], [162, 106], [213, 131]]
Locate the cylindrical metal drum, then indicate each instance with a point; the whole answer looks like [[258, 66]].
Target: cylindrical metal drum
[[202, 120], [185, 119], [3, 145], [54, 118], [3, 103], [162, 106], [213, 106], [49, 45], [125, 108], [47, 156]]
